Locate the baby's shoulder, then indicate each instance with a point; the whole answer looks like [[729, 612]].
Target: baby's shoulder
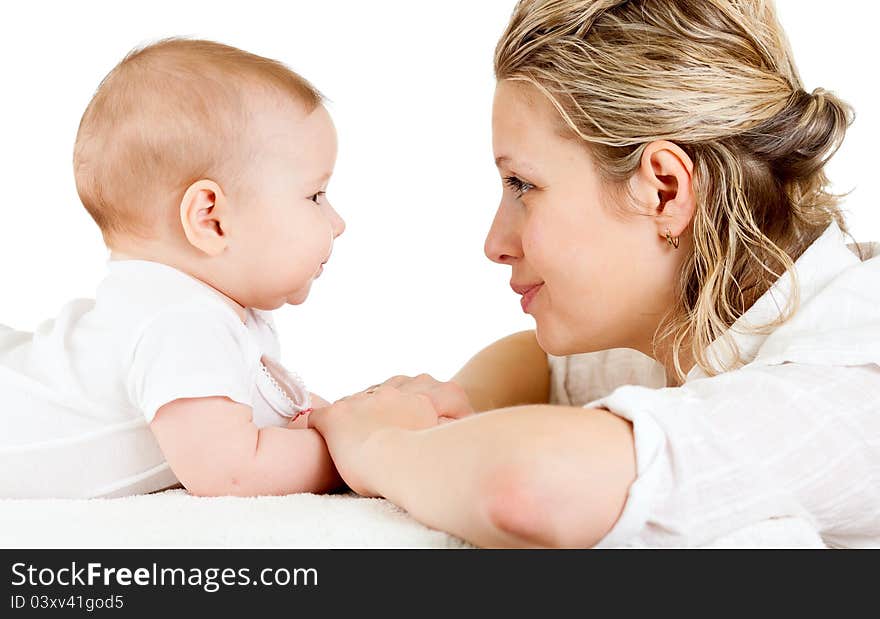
[[139, 294], [191, 333], [139, 299]]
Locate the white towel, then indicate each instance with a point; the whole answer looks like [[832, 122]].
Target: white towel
[[174, 519]]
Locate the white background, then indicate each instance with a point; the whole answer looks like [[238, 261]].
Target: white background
[[408, 288]]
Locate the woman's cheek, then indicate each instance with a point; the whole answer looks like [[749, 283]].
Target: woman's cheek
[[533, 242], [550, 252]]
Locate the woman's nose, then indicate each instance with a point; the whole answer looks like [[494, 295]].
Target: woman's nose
[[502, 243]]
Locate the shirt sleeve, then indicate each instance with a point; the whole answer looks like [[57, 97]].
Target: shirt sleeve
[[765, 441], [189, 354]]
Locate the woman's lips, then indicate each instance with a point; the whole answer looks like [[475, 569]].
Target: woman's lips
[[528, 295]]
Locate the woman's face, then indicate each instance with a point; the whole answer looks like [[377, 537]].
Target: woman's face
[[593, 272]]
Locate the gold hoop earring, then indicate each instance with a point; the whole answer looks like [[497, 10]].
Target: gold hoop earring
[[672, 241]]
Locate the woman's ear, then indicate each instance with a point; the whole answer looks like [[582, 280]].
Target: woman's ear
[[664, 183], [203, 216]]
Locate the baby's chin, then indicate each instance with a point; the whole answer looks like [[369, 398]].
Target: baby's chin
[[299, 296]]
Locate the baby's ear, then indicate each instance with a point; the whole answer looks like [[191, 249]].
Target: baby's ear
[[202, 211]]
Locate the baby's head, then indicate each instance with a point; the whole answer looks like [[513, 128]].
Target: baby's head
[[215, 161]]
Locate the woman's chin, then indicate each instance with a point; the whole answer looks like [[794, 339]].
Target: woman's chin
[[555, 341], [548, 343]]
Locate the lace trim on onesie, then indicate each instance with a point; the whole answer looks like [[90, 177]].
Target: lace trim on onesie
[[285, 391]]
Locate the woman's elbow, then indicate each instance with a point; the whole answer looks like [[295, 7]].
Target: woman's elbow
[[511, 509], [534, 511]]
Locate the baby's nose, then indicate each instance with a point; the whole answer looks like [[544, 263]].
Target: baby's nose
[[338, 224]]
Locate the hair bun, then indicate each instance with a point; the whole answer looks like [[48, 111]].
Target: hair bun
[[799, 140]]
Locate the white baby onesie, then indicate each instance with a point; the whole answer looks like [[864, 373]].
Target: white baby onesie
[[77, 395]]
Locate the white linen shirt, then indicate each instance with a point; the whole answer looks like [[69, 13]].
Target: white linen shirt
[[794, 432]]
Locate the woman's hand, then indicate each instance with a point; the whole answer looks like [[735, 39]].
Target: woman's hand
[[354, 424], [448, 398]]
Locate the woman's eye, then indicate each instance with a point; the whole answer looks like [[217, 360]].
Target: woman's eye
[[517, 185], [317, 197]]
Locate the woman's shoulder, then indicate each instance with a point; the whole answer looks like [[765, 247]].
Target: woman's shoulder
[[838, 324]]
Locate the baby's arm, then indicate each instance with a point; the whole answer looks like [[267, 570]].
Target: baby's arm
[[215, 449]]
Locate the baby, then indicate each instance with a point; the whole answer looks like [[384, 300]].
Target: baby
[[206, 169]]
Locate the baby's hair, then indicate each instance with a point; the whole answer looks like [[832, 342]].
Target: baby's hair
[[169, 114]]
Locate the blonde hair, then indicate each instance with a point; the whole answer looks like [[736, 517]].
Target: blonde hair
[[717, 78], [168, 114]]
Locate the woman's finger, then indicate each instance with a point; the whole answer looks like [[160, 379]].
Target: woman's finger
[[450, 400], [368, 391], [423, 383], [397, 381]]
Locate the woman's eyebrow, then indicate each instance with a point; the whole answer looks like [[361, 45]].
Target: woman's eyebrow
[[514, 164], [511, 163]]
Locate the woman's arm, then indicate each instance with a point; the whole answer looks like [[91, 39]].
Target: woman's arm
[[510, 372], [525, 476], [214, 449]]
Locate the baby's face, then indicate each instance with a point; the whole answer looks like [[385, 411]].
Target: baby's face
[[285, 226]]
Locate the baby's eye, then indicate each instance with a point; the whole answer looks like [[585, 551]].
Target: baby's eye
[[317, 197], [518, 185]]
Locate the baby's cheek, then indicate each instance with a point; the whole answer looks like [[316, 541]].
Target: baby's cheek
[[312, 237]]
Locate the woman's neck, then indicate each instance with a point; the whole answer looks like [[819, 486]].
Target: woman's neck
[[685, 361]]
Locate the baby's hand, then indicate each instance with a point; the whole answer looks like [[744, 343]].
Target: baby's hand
[[302, 421]]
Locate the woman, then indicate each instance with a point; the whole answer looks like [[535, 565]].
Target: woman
[[712, 343]]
